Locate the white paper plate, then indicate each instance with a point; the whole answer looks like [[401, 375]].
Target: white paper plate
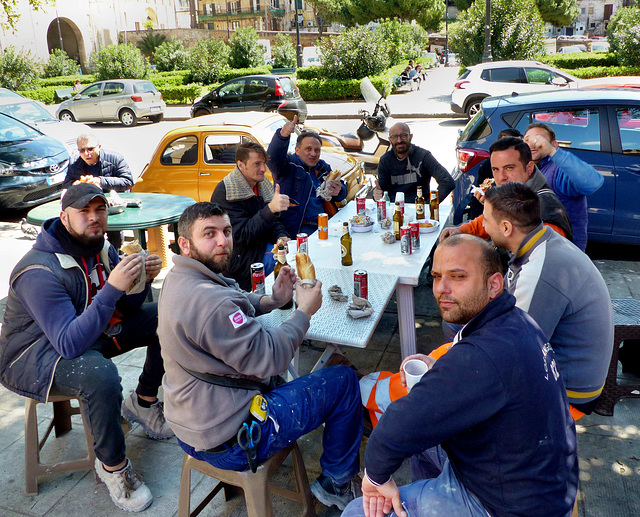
[[356, 228], [432, 228]]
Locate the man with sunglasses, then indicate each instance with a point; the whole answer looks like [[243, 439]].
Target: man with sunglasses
[[405, 167]]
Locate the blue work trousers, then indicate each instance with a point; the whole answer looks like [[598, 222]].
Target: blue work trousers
[[330, 396], [94, 377]]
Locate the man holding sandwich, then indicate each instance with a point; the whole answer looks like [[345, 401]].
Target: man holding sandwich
[[221, 362]]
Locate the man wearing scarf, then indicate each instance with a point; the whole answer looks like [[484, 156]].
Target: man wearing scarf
[[67, 315]]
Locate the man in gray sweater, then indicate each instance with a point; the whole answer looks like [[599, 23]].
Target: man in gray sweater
[[219, 360]]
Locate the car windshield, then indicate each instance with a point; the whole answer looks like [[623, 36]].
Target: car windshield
[[29, 112], [12, 131], [144, 86], [265, 134]]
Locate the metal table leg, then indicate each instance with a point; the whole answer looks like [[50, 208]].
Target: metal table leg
[[406, 319]]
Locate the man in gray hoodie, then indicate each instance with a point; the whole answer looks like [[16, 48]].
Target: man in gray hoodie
[[219, 361]]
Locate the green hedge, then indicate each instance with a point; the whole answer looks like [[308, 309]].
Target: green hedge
[[45, 94], [592, 72], [174, 78], [310, 72], [232, 73], [180, 94], [335, 89], [580, 60], [66, 81]]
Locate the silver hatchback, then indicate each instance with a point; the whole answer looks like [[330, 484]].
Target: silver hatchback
[[126, 100]]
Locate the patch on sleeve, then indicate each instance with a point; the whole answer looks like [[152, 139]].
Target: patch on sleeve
[[238, 319]]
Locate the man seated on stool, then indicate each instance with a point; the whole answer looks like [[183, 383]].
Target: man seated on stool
[[253, 208], [491, 415], [67, 315], [219, 358]]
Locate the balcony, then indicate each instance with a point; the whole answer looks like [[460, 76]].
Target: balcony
[[204, 17]]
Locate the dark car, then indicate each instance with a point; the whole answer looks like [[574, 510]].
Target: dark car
[[32, 165], [253, 93], [600, 126]]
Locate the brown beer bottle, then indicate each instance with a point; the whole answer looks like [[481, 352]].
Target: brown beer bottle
[[345, 246], [397, 221], [434, 206], [419, 204], [280, 262]]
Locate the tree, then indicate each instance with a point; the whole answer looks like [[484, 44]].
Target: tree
[[283, 52], [12, 16], [244, 49], [171, 55], [150, 41], [462, 5], [623, 34], [406, 41], [559, 13], [60, 64], [207, 60], [333, 11], [120, 62], [18, 70], [426, 12], [517, 31]]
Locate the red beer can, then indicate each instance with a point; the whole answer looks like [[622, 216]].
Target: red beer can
[[257, 278], [382, 209], [415, 235], [360, 204], [303, 243], [360, 283], [405, 240]]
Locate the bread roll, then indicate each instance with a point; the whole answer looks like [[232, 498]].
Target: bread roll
[[304, 267], [333, 175], [131, 247]]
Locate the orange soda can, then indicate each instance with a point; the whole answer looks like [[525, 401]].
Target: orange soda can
[[323, 226]]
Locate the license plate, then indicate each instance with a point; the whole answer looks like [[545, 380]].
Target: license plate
[[155, 108], [56, 178]]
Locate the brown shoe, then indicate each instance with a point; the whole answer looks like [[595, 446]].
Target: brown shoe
[[337, 359]]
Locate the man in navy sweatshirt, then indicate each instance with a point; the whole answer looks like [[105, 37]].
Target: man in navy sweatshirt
[[491, 414], [67, 315]]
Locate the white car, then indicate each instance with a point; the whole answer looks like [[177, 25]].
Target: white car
[[35, 114], [504, 78]]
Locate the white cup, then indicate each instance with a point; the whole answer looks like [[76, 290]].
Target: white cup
[[414, 369]]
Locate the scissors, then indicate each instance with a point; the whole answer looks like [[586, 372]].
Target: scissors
[[248, 439]]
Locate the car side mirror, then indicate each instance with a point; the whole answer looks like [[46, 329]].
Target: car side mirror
[[559, 81], [384, 92], [77, 97]]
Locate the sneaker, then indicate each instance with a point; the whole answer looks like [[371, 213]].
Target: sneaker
[[126, 488], [151, 419], [330, 494]]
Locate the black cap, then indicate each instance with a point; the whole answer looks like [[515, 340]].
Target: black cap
[[80, 195]]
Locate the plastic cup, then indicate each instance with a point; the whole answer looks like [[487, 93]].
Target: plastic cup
[[414, 369]]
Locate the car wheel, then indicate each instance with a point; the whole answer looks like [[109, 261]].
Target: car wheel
[[474, 106], [156, 118], [128, 118], [201, 112], [66, 116]]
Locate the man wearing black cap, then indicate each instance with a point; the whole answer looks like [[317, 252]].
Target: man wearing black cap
[[67, 314]]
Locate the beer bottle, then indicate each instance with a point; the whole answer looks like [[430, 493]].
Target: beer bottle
[[280, 262], [434, 206], [397, 221], [419, 204], [345, 246]]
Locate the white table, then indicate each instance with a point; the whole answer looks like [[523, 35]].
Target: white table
[[371, 254]]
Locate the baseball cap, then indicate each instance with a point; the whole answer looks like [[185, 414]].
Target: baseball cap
[[80, 195]]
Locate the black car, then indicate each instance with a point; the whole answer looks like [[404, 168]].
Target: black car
[[32, 165], [253, 93]]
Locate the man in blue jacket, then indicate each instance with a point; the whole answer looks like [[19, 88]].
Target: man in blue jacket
[[299, 175], [491, 414], [67, 315], [571, 179]]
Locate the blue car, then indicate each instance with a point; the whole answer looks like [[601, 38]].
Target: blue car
[[600, 126]]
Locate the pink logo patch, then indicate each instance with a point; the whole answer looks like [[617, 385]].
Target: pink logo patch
[[238, 319]]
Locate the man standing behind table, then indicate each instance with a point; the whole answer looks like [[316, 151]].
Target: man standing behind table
[[571, 179], [491, 414], [105, 169], [219, 358], [299, 175], [405, 167], [558, 286], [67, 315], [253, 209]]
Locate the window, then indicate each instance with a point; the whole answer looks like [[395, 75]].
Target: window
[[91, 91], [255, 86], [504, 75], [113, 89], [539, 75], [144, 86], [575, 129], [629, 125], [234, 88], [221, 148], [181, 151]]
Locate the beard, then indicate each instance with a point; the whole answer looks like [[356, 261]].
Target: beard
[[86, 240], [208, 261], [465, 308]]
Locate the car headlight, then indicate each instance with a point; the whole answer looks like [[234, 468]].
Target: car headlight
[[6, 169]]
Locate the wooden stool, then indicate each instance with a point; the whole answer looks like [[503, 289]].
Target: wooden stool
[[62, 411], [256, 487]]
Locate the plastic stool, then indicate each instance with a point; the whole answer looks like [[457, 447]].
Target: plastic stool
[[256, 487], [62, 412]]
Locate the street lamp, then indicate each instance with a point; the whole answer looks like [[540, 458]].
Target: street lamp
[[446, 33], [228, 36], [486, 57], [298, 46]]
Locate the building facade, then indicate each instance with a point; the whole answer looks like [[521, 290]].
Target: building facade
[[593, 18]]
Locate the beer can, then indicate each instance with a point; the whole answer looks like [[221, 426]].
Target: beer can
[[382, 209], [323, 226], [360, 283], [257, 278], [415, 235], [360, 204], [303, 243], [405, 240]]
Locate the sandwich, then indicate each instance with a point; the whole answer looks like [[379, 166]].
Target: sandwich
[[305, 269], [487, 184], [131, 247]]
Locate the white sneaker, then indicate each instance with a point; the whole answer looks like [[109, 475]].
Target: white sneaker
[[126, 488], [151, 419]]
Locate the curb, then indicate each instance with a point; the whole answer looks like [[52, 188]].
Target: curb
[[354, 116]]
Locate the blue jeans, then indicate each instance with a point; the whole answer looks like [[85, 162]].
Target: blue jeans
[[269, 260], [330, 396], [444, 495], [94, 377]]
